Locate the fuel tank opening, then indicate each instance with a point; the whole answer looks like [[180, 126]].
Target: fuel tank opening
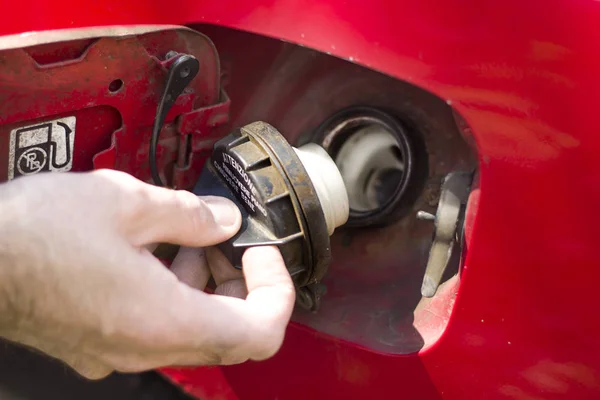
[[377, 160]]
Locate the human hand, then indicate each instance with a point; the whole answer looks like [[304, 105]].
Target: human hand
[[78, 280]]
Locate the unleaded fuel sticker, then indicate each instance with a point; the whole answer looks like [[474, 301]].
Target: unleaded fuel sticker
[[46, 146]]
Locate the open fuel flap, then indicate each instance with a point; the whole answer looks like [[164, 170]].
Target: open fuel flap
[[338, 166]]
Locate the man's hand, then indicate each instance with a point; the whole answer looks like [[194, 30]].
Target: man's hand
[[78, 280]]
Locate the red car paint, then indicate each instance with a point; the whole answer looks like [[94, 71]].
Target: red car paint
[[78, 80], [523, 76]]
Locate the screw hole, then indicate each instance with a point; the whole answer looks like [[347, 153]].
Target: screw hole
[[115, 86]]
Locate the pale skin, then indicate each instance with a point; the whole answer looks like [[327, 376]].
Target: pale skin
[[78, 280]]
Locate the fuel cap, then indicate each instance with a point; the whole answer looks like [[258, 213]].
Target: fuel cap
[[292, 198]]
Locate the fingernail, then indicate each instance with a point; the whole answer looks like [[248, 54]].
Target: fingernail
[[225, 212]]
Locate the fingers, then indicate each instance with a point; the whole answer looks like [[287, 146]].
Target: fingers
[[88, 367], [266, 273], [233, 288], [149, 214], [191, 268], [228, 330], [271, 295], [180, 217], [220, 267], [174, 324], [230, 281]]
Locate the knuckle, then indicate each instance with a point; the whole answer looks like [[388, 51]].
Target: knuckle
[[268, 349], [196, 210], [268, 343], [89, 369], [110, 182], [224, 350], [127, 203], [233, 359], [95, 374], [185, 201], [226, 355], [232, 288], [132, 201], [215, 356]]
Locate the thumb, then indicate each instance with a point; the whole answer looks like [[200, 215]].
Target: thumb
[[180, 217]]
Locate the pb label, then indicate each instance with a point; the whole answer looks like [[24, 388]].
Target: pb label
[[46, 146]]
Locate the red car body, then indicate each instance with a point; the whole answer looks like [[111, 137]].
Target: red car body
[[524, 77]]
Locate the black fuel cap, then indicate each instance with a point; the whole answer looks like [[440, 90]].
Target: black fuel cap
[[292, 198]]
